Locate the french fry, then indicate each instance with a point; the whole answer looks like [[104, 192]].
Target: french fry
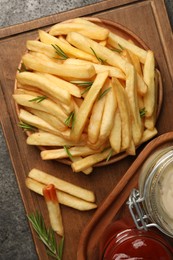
[[136, 62], [141, 86], [113, 72], [61, 153], [115, 135], [38, 94], [98, 33], [114, 39], [90, 160], [77, 158], [65, 47], [48, 139], [95, 120], [64, 198], [148, 134], [42, 55], [53, 207], [150, 122], [149, 74], [62, 185], [85, 108], [62, 70], [123, 106], [48, 86], [131, 90], [50, 119], [90, 46], [45, 105], [67, 86], [108, 114], [37, 122]]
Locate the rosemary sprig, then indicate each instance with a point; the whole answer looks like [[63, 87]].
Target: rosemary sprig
[[142, 112], [86, 90], [85, 84], [47, 236], [102, 94], [68, 152], [82, 83], [109, 155], [70, 120], [121, 47], [38, 99], [22, 68], [98, 58], [116, 50], [60, 52], [27, 127]]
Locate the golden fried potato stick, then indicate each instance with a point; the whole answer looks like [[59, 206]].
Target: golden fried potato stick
[[45, 105], [96, 33], [86, 106], [90, 160], [46, 85], [123, 106], [115, 134], [114, 39], [61, 152], [113, 72], [37, 122], [50, 119], [131, 90], [108, 114], [148, 134], [48, 139], [103, 53], [68, 49], [64, 198], [62, 70], [62, 185], [95, 120], [149, 75], [53, 207], [67, 86]]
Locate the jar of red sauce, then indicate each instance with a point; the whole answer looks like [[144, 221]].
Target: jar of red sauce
[[121, 242]]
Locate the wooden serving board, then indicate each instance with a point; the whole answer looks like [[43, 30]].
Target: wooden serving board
[[148, 19]]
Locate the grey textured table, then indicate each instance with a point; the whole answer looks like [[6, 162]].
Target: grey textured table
[[15, 239]]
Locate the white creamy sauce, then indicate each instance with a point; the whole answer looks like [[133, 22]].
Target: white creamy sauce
[[166, 184]]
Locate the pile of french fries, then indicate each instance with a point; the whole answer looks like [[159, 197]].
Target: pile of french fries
[[86, 94]]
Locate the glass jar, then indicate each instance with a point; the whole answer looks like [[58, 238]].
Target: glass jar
[[152, 204], [123, 242]]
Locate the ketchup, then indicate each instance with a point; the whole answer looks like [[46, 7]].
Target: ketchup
[[133, 244]]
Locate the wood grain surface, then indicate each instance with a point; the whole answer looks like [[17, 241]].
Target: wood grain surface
[[147, 19]]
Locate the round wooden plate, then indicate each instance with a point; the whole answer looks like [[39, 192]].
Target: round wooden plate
[[126, 34]]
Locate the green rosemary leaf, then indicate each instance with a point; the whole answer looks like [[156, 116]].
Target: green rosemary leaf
[[27, 127], [82, 83], [142, 112], [116, 50], [68, 152], [121, 47], [60, 52], [47, 236], [109, 155], [70, 119], [38, 99], [22, 68], [98, 58], [104, 93], [86, 90]]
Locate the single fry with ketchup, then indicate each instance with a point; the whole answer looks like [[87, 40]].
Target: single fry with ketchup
[[52, 203]]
